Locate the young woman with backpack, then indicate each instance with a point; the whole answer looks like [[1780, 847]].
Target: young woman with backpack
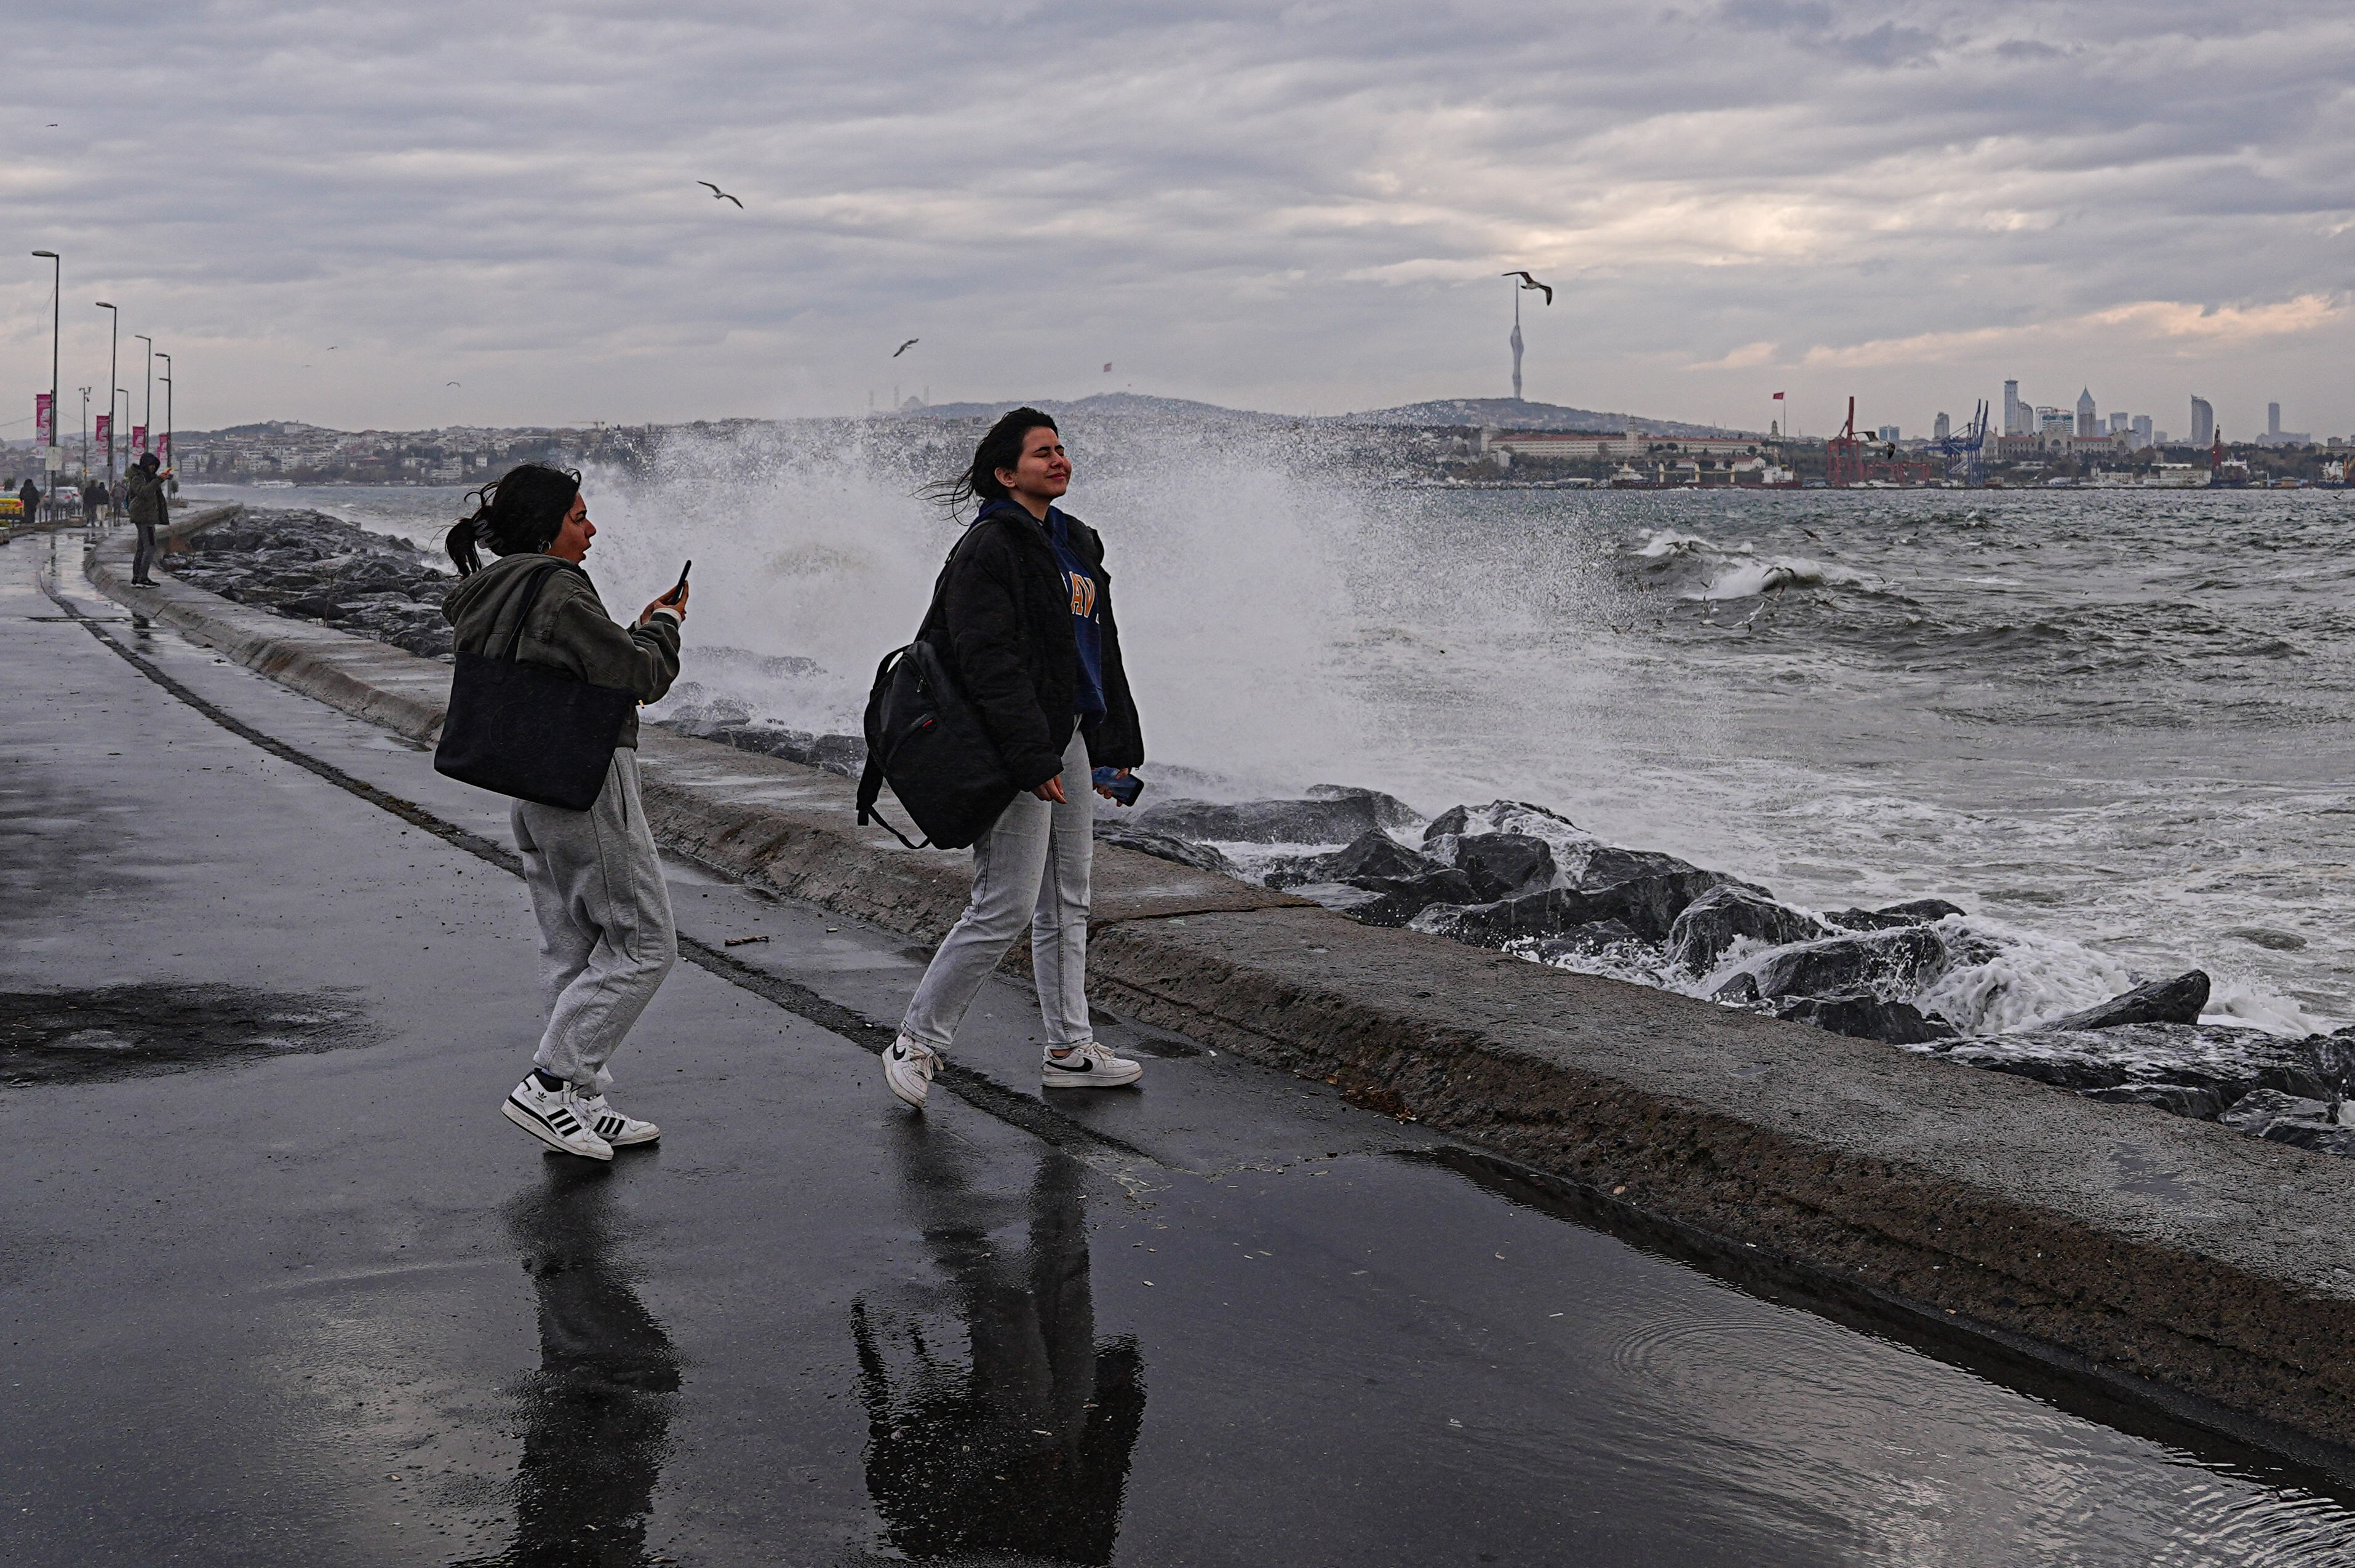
[[1026, 629], [606, 939]]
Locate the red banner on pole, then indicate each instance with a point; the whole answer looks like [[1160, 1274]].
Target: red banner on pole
[[43, 425], [139, 440], [163, 444], [103, 427]]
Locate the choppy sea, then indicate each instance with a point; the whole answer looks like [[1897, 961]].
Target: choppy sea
[[2111, 725]]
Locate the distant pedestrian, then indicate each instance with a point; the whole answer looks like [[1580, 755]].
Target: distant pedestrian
[[606, 939], [149, 511], [1027, 631], [93, 501], [29, 497]]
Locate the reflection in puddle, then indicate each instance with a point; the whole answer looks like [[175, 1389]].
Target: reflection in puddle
[[1025, 1449], [597, 1412]]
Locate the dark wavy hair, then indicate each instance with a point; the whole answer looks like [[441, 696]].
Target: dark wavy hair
[[519, 513], [1001, 448]]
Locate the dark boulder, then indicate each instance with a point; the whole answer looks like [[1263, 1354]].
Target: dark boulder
[[1372, 854], [2176, 1001], [2212, 1061], [1389, 810], [1340, 817], [2290, 1119], [1390, 901], [1584, 941], [1885, 963], [1645, 888], [1921, 911], [1503, 865], [1867, 1016], [2197, 1102], [1161, 846], [1724, 915]]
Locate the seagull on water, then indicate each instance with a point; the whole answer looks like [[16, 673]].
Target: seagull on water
[[718, 195], [1529, 282], [905, 346]]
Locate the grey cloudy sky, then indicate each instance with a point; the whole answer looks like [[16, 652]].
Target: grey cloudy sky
[[1299, 208]]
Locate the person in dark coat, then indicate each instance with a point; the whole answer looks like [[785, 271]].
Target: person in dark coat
[[149, 511], [30, 498], [1027, 631], [93, 501]]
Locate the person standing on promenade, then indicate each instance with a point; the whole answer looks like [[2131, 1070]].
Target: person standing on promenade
[[29, 497], [606, 939], [1024, 624], [149, 511], [93, 501]]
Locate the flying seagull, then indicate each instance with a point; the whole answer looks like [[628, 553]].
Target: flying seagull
[[718, 195], [1529, 282], [905, 346], [453, 383]]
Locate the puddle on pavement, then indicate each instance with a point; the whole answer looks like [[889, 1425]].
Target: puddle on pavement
[[135, 1031]]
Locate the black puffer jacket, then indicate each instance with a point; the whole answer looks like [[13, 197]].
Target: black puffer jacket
[[1004, 628]]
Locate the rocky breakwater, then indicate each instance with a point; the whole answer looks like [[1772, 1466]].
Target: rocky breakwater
[[309, 566], [1920, 976]]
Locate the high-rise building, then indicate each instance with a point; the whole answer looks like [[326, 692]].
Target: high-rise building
[[2273, 422], [1940, 430], [2120, 424], [1887, 432], [2088, 422], [2054, 424], [2203, 422], [2143, 434], [2015, 412]]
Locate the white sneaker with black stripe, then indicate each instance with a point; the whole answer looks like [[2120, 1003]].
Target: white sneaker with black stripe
[[1089, 1066], [908, 1069], [618, 1130], [554, 1117]]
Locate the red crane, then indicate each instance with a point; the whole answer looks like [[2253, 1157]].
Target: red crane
[[1844, 454]]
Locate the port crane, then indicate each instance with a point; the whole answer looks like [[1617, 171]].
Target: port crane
[[1966, 447]]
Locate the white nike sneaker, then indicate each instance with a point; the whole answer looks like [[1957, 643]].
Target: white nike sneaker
[[1089, 1066], [908, 1069], [555, 1117], [615, 1128]]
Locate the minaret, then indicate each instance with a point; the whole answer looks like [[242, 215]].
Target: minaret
[[1517, 346]]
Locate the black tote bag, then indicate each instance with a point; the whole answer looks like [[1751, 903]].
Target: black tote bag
[[527, 731]]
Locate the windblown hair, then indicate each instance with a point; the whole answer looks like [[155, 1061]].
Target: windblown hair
[[519, 513], [1001, 448]]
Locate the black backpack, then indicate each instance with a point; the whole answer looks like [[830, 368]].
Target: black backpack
[[929, 744]]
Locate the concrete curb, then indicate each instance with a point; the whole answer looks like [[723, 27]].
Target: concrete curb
[[2172, 1259]]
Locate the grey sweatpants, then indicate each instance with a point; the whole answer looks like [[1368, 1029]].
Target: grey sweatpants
[[1032, 866], [605, 933]]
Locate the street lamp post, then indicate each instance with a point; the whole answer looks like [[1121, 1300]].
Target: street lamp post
[[147, 422], [113, 330], [85, 435], [57, 295], [123, 395], [169, 458]]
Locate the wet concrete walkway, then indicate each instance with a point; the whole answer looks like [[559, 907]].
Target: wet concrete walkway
[[280, 1287]]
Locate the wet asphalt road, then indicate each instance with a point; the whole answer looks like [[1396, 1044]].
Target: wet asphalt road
[[279, 1286]]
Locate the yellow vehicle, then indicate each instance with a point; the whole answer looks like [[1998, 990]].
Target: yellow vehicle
[[12, 510]]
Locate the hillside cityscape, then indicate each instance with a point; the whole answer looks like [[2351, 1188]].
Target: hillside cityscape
[[1488, 441]]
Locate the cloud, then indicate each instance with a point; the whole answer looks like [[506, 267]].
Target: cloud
[[1303, 207]]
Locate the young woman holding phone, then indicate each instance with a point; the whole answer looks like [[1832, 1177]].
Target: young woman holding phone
[[606, 939]]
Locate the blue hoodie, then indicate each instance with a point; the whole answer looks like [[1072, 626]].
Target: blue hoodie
[[1087, 621]]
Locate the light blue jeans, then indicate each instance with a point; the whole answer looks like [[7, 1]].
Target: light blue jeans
[[1035, 862]]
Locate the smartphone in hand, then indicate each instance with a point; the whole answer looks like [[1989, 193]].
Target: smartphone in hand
[[680, 587], [1124, 790]]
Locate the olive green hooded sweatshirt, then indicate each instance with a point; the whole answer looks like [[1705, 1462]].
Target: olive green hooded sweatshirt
[[567, 629]]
